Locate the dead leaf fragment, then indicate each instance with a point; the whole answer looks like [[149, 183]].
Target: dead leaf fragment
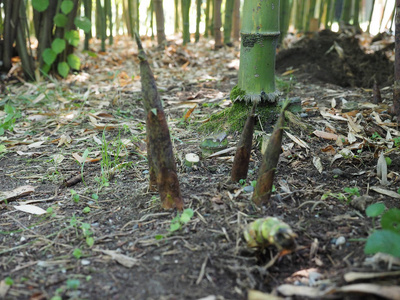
[[122, 259], [353, 276], [257, 295], [317, 164], [30, 209], [385, 192], [17, 193], [297, 140], [3, 289], [326, 135]]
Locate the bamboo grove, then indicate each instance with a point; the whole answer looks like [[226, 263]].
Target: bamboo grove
[[219, 20]]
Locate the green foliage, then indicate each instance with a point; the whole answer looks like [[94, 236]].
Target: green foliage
[[12, 114], [86, 210], [77, 253], [67, 6], [60, 20], [40, 5], [58, 46], [49, 56], [346, 196], [391, 220], [72, 37], [236, 92], [181, 219], [396, 141], [375, 210], [74, 196], [63, 69], [386, 240], [83, 23], [388, 160], [352, 191], [375, 136], [74, 62], [8, 281], [73, 284]]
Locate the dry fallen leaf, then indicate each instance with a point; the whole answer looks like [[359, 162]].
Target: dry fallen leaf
[[122, 259], [31, 209], [17, 193]]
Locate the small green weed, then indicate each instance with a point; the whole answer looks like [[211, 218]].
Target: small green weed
[[12, 114], [375, 136], [8, 281], [386, 240], [77, 253], [345, 197], [74, 196], [396, 141], [85, 228], [181, 219]]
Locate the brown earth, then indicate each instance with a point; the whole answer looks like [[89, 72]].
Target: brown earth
[[208, 256]]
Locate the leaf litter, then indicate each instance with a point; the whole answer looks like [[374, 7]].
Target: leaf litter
[[87, 133]]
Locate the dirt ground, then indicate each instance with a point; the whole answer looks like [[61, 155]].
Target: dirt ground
[[208, 258]]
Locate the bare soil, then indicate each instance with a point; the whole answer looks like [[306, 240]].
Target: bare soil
[[208, 256]]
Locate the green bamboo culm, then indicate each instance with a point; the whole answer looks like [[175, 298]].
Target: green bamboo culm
[[259, 38], [286, 9], [329, 14], [108, 12], [207, 18], [346, 12], [176, 16], [228, 21], [311, 14], [370, 16], [102, 24], [88, 14], [198, 17], [185, 5]]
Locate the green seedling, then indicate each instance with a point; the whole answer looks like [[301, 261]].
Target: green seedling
[[8, 281], [86, 210], [396, 141], [181, 219], [388, 161], [375, 210], [351, 191], [77, 253], [12, 114], [375, 136], [386, 240], [85, 228], [74, 196]]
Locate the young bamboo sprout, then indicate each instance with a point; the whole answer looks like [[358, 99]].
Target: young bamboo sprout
[[242, 155], [263, 189], [160, 156]]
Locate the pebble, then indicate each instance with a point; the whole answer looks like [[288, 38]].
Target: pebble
[[85, 262], [248, 189], [337, 172], [340, 241], [304, 115]]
